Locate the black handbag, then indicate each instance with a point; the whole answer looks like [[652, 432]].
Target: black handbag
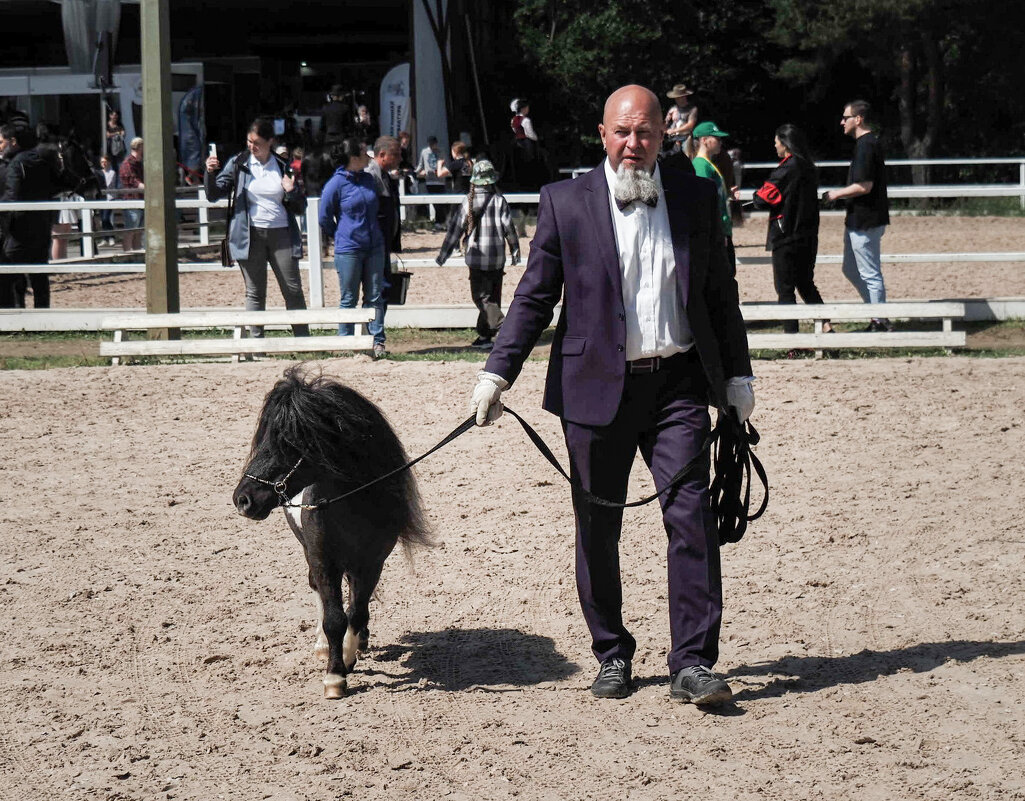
[[226, 259], [225, 253]]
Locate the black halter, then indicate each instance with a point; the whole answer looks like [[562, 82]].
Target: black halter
[[281, 485]]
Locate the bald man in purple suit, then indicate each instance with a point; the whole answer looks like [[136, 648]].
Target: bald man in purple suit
[[650, 334]]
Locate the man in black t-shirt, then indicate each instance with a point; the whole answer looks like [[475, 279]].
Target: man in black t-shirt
[[335, 117], [868, 210]]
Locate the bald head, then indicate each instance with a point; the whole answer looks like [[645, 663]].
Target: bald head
[[631, 128], [629, 98]]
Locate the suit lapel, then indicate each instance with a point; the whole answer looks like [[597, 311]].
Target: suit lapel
[[679, 228], [596, 201]]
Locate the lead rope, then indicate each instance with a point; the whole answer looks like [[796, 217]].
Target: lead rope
[[733, 461]]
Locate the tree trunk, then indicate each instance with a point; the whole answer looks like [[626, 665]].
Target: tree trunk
[[920, 145], [906, 97]]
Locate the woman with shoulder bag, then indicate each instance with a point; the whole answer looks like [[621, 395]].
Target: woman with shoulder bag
[[262, 228]]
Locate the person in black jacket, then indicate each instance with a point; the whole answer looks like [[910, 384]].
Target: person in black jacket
[[24, 235], [791, 196]]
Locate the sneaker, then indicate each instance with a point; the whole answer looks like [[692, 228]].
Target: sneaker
[[613, 680], [379, 351], [482, 343], [699, 685], [881, 324]]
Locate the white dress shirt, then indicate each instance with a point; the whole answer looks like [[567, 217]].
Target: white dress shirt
[[656, 323], [265, 195]]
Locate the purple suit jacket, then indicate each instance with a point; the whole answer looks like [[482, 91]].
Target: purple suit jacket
[[573, 258]]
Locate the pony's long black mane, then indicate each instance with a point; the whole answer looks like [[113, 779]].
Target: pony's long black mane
[[344, 434]]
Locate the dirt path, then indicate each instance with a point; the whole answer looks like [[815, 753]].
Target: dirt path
[[159, 646]]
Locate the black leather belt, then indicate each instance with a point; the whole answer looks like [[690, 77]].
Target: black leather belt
[[652, 364]]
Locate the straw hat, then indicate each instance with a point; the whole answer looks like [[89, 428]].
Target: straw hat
[[679, 90]]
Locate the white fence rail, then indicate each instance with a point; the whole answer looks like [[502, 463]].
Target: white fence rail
[[1003, 189]]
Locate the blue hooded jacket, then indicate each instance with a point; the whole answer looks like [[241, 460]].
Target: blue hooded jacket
[[348, 211]]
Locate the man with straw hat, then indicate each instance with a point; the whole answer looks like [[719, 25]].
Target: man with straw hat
[[680, 119]]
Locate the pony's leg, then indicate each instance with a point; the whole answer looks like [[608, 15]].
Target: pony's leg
[[362, 637], [357, 634], [335, 625], [322, 648]]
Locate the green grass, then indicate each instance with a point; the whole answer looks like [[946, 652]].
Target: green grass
[[50, 362]]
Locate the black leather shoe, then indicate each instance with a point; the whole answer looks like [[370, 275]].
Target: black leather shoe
[[699, 685], [613, 679]]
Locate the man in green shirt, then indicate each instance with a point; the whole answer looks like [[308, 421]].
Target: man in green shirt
[[709, 139]]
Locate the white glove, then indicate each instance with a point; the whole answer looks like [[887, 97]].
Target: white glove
[[740, 397], [485, 399]]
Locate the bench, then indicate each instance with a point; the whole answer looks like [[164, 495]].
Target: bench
[[464, 316], [945, 311], [237, 320]]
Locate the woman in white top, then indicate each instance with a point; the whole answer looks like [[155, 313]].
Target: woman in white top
[[109, 182], [262, 228]]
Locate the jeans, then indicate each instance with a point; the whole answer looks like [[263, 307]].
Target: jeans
[[366, 268], [862, 265], [274, 246], [134, 218], [486, 289]]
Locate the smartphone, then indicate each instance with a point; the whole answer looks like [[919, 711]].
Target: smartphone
[[213, 150]]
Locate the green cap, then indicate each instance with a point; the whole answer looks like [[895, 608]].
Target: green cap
[[707, 129], [483, 173]]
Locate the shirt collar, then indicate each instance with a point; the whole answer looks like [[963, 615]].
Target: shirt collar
[[255, 162]]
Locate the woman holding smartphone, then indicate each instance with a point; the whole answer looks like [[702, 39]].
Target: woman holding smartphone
[[262, 229]]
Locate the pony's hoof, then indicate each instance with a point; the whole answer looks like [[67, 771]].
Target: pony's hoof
[[334, 686], [363, 643], [322, 651]]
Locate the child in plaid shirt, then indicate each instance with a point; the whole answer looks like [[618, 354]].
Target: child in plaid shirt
[[481, 229]]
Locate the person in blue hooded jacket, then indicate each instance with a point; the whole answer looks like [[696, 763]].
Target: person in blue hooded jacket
[[348, 212]]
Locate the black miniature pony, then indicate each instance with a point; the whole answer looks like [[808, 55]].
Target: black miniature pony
[[318, 439], [77, 174]]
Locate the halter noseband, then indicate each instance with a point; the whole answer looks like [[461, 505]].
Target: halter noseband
[[280, 486]]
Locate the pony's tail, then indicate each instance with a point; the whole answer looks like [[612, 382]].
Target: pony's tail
[[417, 532]]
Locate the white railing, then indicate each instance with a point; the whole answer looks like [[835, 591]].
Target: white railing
[[1003, 189]]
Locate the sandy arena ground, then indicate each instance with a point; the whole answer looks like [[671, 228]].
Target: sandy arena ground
[[158, 646], [450, 285]]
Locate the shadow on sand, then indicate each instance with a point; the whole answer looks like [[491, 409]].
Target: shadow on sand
[[806, 674], [461, 659]]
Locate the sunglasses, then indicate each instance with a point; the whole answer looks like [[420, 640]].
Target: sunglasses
[[846, 117]]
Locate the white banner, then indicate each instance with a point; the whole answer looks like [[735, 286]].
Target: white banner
[[395, 101]]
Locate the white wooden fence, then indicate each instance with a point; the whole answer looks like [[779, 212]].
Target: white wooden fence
[[936, 190], [90, 265]]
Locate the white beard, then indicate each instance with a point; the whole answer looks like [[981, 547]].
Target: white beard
[[633, 185]]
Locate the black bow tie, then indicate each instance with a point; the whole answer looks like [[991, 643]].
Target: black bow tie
[[622, 204]]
